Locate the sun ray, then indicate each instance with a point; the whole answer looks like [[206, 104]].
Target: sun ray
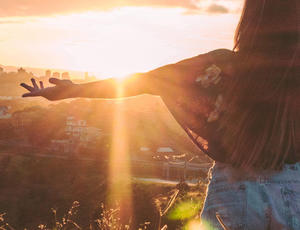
[[119, 163]]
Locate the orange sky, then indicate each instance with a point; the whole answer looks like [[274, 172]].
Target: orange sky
[[112, 38]]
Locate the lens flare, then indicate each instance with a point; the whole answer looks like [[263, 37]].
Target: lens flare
[[198, 225], [119, 163]]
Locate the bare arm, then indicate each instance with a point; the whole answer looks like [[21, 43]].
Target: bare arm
[[154, 82], [167, 81], [108, 88], [114, 88]]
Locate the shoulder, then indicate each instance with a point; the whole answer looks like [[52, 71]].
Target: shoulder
[[222, 53], [221, 56], [224, 59]]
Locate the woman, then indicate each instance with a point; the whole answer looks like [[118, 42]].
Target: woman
[[240, 107]]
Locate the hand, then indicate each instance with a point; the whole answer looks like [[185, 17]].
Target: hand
[[61, 90]]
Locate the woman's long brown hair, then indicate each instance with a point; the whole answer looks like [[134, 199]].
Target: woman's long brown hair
[[259, 126]]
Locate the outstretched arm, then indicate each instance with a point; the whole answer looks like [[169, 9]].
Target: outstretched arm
[[169, 79], [63, 89]]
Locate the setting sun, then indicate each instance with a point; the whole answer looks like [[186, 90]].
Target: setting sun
[[113, 43]]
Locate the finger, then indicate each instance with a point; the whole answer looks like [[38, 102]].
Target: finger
[[34, 94], [41, 85], [29, 88], [54, 81], [34, 83]]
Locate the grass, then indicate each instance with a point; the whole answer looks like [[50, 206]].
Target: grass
[[34, 185], [176, 205]]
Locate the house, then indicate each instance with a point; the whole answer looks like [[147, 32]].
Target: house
[[165, 150], [88, 78], [79, 135], [65, 76], [48, 74], [20, 120], [61, 146], [90, 135], [4, 112], [56, 75], [75, 127]]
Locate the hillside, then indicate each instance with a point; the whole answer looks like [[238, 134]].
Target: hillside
[[144, 120]]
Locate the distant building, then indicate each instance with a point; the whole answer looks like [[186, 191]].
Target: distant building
[[87, 77], [75, 127], [21, 120], [79, 128], [165, 150], [4, 112], [81, 134], [144, 149], [90, 135], [48, 73], [65, 76], [56, 75], [21, 70], [61, 146]]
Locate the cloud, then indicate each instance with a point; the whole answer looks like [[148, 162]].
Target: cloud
[[11, 22], [21, 8], [24, 8], [219, 9]]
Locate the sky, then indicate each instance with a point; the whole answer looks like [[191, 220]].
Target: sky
[[113, 38]]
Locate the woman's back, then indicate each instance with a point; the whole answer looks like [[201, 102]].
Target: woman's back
[[202, 106]]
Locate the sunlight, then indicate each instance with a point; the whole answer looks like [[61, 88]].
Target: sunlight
[[185, 210], [197, 225], [113, 43], [194, 225], [119, 163]]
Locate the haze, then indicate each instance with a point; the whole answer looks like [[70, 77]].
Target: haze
[[113, 38]]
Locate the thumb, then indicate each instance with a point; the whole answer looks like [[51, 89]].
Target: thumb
[[55, 81]]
